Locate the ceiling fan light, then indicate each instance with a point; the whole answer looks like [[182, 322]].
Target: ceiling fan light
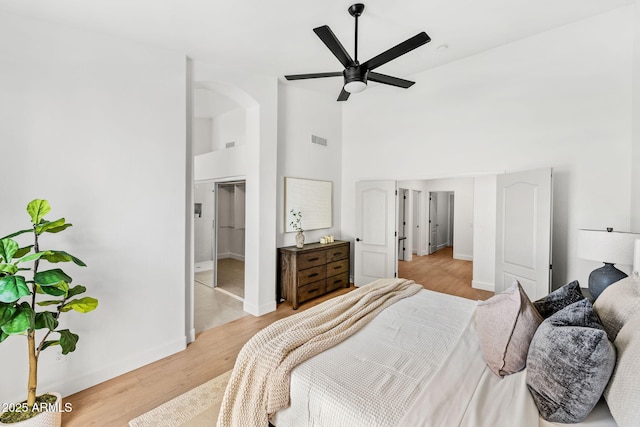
[[355, 86]]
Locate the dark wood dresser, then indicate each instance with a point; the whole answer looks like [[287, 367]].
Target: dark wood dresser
[[313, 270]]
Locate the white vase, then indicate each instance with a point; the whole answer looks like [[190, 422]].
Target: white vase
[[44, 419], [299, 239]]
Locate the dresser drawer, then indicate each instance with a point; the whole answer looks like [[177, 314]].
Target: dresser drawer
[[311, 275], [312, 259], [338, 253], [339, 281], [311, 290], [337, 267]]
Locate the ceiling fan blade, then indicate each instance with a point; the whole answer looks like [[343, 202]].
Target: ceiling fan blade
[[389, 80], [313, 75], [334, 45], [398, 50], [344, 95]]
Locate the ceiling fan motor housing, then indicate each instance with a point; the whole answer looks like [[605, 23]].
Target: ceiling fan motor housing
[[355, 79]]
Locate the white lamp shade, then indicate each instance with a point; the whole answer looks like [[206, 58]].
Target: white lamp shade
[[613, 247]]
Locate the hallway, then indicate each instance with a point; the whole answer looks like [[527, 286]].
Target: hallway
[[440, 272]]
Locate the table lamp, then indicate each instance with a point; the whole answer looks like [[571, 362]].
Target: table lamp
[[607, 246]]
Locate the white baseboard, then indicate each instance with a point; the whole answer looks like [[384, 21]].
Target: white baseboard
[[72, 385], [191, 336], [259, 310], [232, 256], [463, 257], [485, 286], [442, 246]]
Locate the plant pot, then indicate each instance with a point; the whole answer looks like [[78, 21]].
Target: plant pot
[[299, 239], [44, 419]]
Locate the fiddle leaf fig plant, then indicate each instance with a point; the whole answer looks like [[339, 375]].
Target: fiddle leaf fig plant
[[33, 295]]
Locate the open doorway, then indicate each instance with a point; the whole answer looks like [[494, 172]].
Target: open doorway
[[219, 244], [441, 220], [230, 238]]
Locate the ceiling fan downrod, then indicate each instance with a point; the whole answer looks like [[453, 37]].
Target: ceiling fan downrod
[[356, 10]]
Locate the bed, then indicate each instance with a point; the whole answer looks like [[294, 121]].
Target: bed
[[418, 362]]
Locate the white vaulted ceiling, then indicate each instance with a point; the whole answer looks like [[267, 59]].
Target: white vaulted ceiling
[[275, 37]]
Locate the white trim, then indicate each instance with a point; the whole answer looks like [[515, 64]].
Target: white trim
[[232, 256], [259, 310], [463, 257], [69, 386], [483, 285]]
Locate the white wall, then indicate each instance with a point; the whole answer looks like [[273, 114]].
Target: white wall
[[97, 125], [559, 99], [202, 225], [202, 133], [635, 158], [229, 127], [302, 113], [258, 162], [484, 232]]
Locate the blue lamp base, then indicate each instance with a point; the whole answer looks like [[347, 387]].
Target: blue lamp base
[[602, 277]]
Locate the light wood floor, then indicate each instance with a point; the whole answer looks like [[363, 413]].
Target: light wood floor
[[440, 272], [117, 401]]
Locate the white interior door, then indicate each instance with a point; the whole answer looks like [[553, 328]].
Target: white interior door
[[376, 238], [433, 222], [523, 231]]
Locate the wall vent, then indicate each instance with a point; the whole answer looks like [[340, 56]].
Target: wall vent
[[318, 140], [230, 144]]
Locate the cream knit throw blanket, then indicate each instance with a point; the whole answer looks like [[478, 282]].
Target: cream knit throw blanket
[[259, 383]]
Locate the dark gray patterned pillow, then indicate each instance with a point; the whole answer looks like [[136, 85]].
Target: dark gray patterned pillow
[[559, 299], [569, 363]]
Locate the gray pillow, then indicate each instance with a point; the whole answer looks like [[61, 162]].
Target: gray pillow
[[559, 299], [569, 363]]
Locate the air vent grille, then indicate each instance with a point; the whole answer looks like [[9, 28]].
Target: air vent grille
[[230, 144], [318, 140]]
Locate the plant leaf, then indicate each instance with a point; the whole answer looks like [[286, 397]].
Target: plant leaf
[[58, 290], [12, 288], [8, 268], [76, 290], [17, 233], [49, 343], [62, 256], [3, 336], [37, 209], [22, 251], [6, 312], [8, 247], [68, 341], [20, 323], [51, 277], [82, 305], [32, 257], [48, 302], [45, 319], [45, 225]]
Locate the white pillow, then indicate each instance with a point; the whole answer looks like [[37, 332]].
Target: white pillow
[[617, 304], [623, 392]]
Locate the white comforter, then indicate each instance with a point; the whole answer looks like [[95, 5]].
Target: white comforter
[[393, 373]]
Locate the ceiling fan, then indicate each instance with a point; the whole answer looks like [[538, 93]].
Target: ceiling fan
[[355, 74]]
